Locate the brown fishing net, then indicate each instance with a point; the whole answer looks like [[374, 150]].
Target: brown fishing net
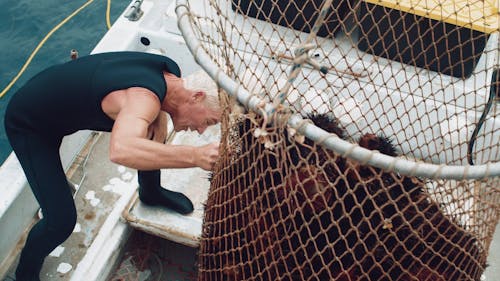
[[301, 212], [414, 81]]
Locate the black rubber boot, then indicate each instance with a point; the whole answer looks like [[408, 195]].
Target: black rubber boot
[[153, 194]]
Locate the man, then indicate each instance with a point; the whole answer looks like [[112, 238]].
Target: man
[[125, 93]]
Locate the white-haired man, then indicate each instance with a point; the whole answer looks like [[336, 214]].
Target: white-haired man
[[125, 93]]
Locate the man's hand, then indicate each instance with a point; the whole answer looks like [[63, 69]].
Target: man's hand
[[207, 155]]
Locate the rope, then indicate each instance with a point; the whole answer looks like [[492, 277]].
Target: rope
[[493, 92], [39, 46], [301, 56], [108, 8]]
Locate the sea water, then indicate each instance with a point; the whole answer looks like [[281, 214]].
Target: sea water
[[24, 23]]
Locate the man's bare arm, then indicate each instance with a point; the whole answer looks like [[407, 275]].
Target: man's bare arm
[[129, 145]]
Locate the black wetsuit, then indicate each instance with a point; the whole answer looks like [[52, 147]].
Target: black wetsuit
[[62, 100]]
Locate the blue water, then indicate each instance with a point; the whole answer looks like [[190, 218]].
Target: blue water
[[24, 23]]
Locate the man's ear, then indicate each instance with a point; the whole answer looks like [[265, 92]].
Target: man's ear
[[198, 96]]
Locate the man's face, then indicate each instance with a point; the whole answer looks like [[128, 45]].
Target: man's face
[[195, 116]]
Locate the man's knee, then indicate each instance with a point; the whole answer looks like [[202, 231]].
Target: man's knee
[[62, 223]]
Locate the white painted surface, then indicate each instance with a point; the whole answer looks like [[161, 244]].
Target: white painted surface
[[105, 249]]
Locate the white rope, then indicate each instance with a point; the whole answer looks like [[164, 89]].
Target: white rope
[[302, 56]]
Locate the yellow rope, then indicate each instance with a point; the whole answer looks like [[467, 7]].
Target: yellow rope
[[4, 91], [108, 8]]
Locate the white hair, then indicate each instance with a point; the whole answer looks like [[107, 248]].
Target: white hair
[[200, 81]]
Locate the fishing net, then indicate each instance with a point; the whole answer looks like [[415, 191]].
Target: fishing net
[[361, 141]]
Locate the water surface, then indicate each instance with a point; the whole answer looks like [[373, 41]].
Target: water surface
[[24, 23]]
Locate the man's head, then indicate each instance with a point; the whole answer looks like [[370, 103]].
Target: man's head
[[198, 105], [201, 110]]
